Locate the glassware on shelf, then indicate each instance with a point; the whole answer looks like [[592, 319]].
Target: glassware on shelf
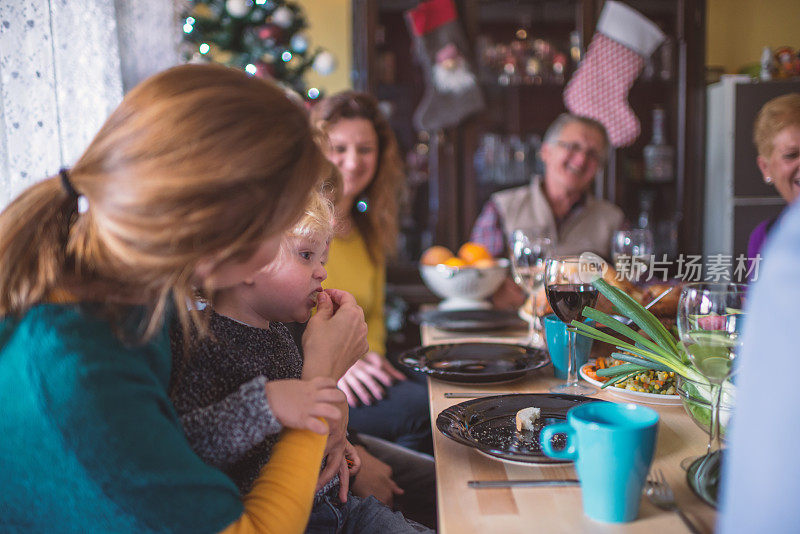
[[522, 61], [659, 156]]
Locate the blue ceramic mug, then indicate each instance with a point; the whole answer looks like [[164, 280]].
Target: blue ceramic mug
[[612, 446], [555, 333]]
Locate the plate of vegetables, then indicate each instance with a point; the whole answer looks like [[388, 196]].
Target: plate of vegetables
[[648, 354], [647, 387]]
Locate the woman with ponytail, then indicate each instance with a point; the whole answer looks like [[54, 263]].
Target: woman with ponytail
[[189, 185]]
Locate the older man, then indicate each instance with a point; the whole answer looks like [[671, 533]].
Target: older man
[[558, 205]]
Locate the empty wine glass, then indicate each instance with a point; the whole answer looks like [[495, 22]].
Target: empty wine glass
[[710, 320], [567, 283], [529, 252], [632, 251]]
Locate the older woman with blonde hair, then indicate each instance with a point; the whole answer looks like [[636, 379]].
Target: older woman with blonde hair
[[190, 183], [776, 134]]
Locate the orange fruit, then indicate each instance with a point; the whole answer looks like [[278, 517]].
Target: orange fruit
[[471, 252], [483, 263], [455, 262], [436, 255]]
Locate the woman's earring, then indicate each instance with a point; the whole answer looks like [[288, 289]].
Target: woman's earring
[[362, 204], [768, 179]]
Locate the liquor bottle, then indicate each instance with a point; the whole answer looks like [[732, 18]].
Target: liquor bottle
[[646, 199], [658, 155]]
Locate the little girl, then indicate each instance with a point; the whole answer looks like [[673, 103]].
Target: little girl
[[235, 392]]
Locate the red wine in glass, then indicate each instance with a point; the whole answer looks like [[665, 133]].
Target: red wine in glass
[[568, 300]]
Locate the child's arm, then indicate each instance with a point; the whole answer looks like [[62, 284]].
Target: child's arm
[[223, 432], [300, 403], [245, 413]]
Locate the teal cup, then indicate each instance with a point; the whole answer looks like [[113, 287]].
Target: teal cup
[[555, 333], [612, 446]]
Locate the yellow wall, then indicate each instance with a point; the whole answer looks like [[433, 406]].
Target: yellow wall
[[330, 26], [737, 30]]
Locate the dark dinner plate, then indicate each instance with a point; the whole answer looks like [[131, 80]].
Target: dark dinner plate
[[475, 362], [471, 320], [489, 424]]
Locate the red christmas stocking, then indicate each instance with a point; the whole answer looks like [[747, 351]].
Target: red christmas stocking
[[616, 55], [451, 89]]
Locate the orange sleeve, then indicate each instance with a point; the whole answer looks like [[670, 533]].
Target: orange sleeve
[[281, 498]]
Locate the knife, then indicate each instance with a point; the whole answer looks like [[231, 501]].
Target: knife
[[478, 484], [450, 395]]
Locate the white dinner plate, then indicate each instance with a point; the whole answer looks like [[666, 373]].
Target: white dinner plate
[[632, 396]]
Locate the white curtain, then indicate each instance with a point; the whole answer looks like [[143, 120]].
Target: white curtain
[[64, 66]]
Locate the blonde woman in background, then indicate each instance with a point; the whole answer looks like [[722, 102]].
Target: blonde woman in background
[[776, 134], [190, 183]]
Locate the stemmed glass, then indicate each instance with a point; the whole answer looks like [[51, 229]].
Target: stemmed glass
[[568, 285], [631, 251], [528, 253], [710, 320]]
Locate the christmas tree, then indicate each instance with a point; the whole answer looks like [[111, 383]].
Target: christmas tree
[[266, 38]]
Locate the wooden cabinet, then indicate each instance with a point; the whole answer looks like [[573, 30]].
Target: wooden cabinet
[[445, 206]]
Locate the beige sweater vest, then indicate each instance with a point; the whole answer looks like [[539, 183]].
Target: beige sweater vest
[[589, 227]]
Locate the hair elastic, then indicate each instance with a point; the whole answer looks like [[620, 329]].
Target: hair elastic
[[66, 184], [83, 203]]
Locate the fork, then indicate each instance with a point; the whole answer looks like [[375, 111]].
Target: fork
[[660, 494]]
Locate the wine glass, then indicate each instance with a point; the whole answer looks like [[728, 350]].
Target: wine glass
[[710, 319], [631, 251], [528, 255], [568, 285]]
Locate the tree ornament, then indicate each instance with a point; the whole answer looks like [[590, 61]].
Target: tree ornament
[[202, 11], [283, 17], [324, 63], [237, 8], [257, 16], [269, 32], [299, 43], [599, 88], [198, 59], [264, 70], [295, 62]]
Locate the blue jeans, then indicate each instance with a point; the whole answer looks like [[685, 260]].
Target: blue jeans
[[358, 516], [414, 472], [402, 417]]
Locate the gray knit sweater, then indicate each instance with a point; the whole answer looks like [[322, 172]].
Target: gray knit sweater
[[218, 392]]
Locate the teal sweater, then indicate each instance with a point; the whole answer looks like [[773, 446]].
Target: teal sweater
[[89, 441]]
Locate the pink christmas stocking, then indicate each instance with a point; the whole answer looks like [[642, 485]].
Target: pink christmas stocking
[[616, 55]]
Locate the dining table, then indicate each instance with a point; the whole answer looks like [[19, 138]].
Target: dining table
[[463, 509]]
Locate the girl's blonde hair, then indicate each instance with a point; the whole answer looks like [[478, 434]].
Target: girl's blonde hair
[[773, 117], [379, 224], [317, 222], [197, 162]]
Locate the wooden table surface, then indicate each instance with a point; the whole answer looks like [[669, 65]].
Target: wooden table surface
[[546, 509]]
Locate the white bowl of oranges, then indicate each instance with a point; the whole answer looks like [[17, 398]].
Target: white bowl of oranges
[[464, 280]]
